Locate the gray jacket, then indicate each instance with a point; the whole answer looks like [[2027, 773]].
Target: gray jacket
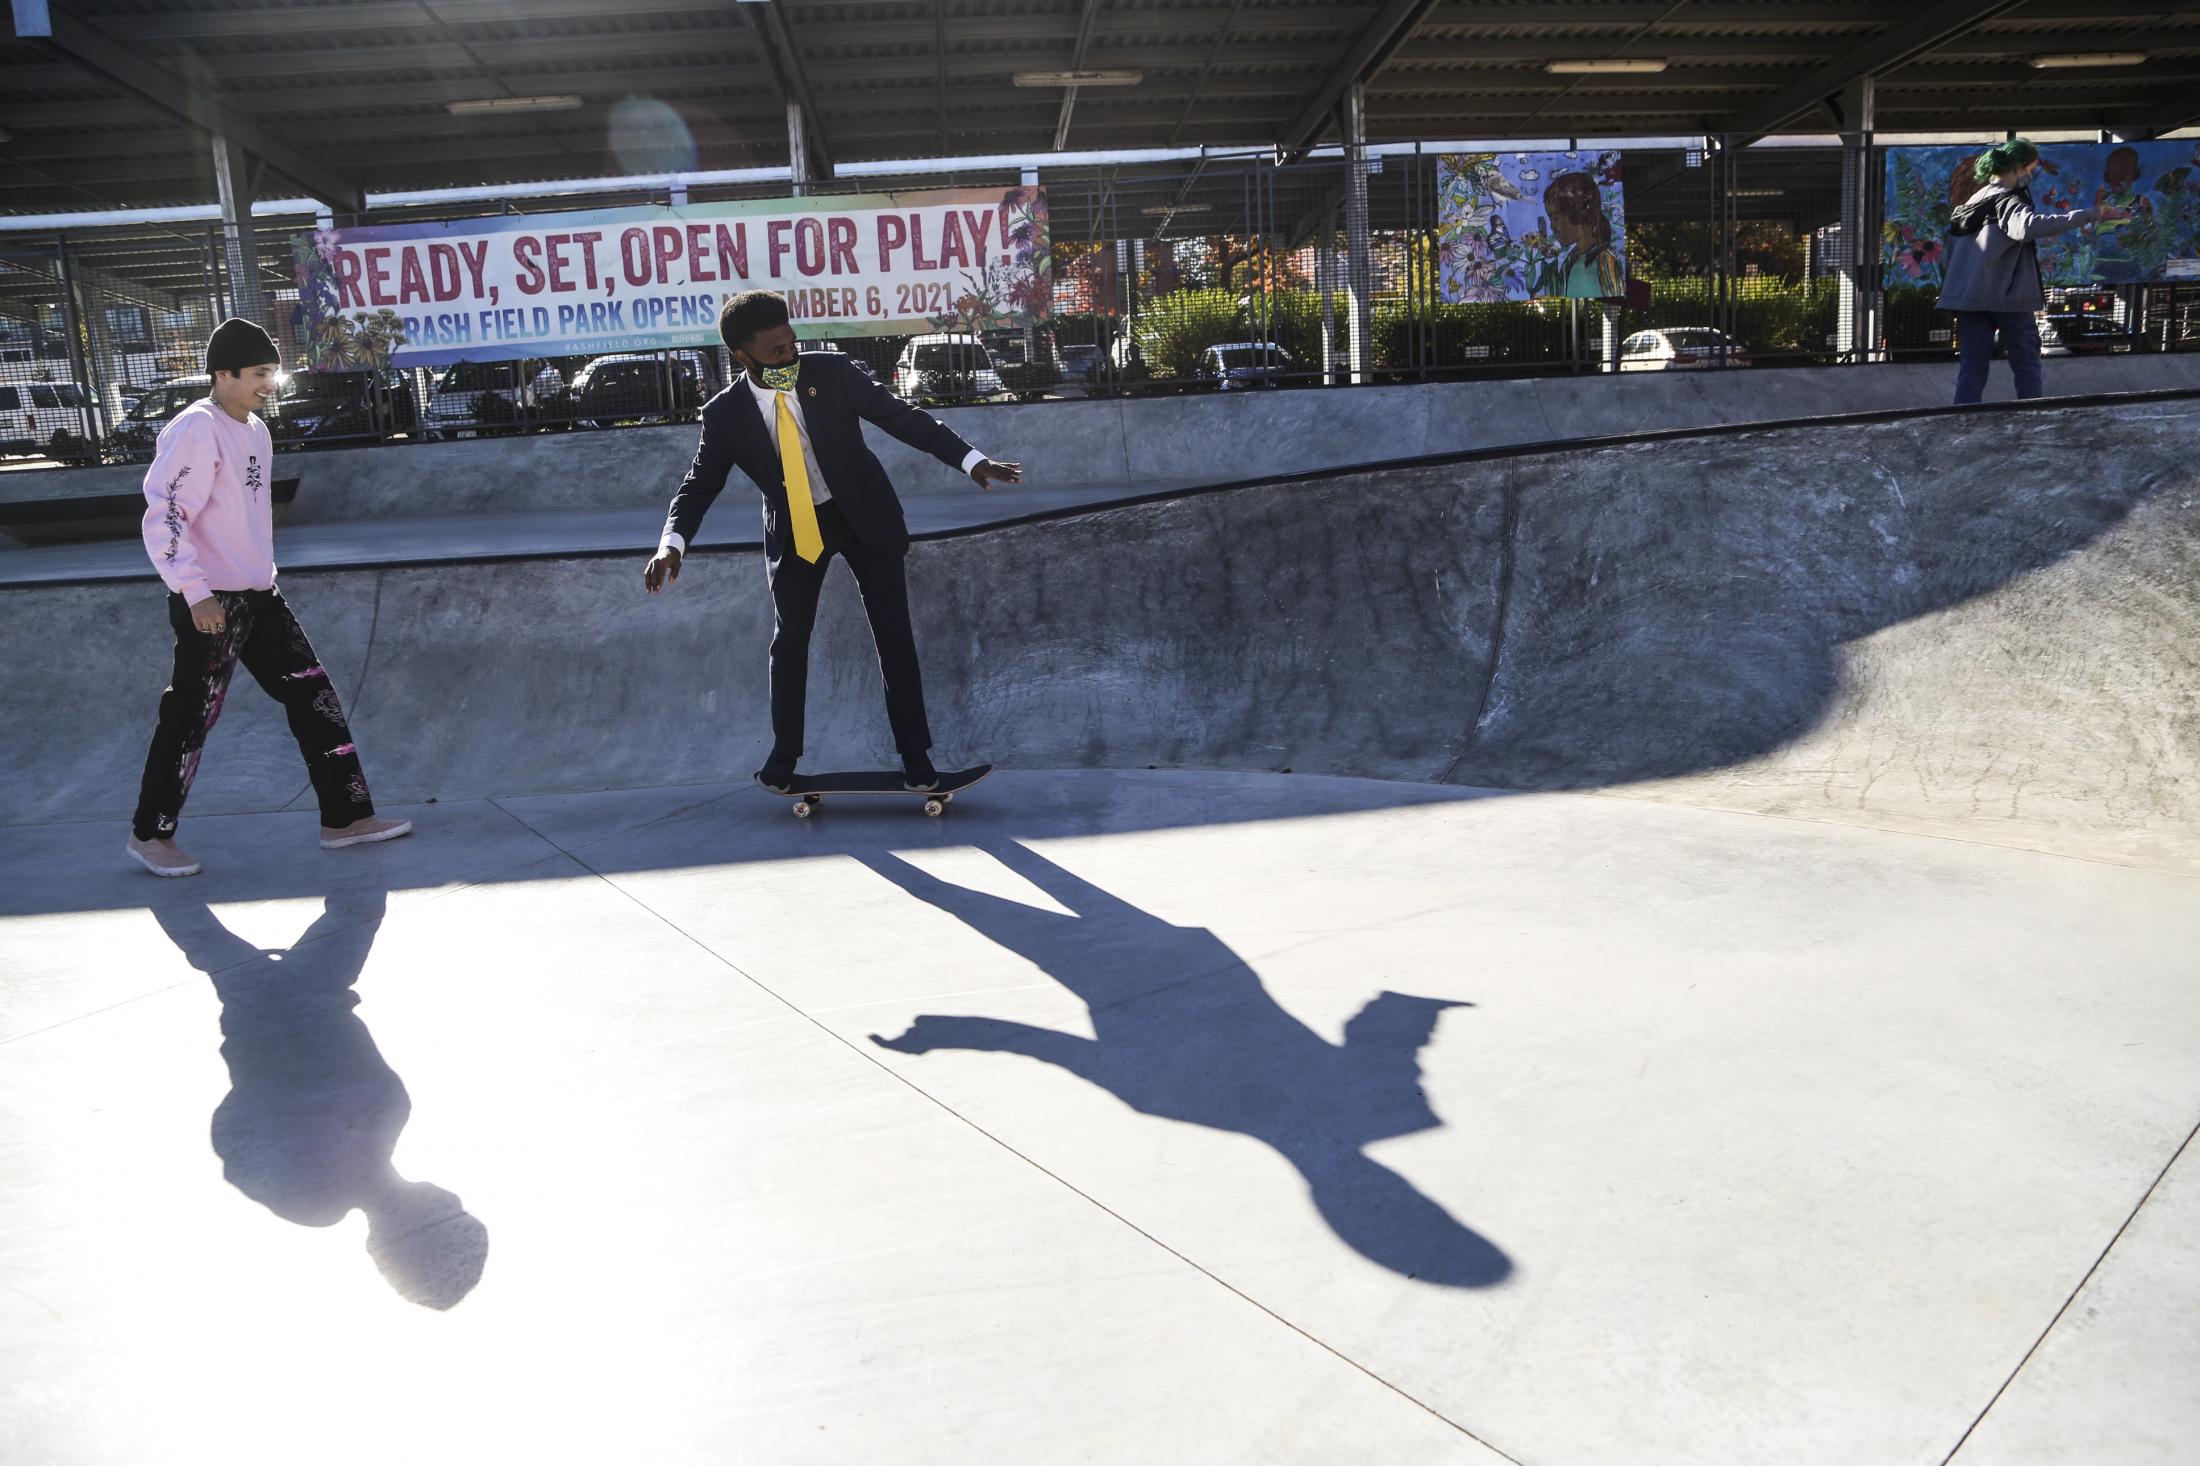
[[1993, 258]]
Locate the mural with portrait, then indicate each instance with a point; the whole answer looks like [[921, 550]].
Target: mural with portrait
[[1530, 226]]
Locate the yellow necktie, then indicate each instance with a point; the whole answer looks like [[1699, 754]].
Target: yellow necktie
[[808, 543]]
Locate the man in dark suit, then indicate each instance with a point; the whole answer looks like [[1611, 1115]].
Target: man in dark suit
[[791, 423]]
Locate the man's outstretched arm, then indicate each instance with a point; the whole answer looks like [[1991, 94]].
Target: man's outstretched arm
[[924, 432], [706, 478]]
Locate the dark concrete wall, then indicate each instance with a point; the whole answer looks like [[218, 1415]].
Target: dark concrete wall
[[1975, 624]]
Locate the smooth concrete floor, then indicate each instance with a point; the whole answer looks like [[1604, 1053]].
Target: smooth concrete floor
[[1136, 1117]]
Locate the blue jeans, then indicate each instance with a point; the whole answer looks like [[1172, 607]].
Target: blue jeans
[[2020, 337]]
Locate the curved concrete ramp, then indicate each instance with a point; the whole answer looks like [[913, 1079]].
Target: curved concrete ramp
[[1976, 624]]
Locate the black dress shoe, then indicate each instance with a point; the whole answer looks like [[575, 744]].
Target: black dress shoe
[[777, 775], [917, 773]]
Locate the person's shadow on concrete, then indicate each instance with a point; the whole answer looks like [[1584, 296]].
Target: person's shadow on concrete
[[1185, 1031], [313, 1112]]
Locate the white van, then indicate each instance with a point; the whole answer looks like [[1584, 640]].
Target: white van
[[33, 414]]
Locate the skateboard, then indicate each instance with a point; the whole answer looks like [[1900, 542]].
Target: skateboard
[[809, 790]]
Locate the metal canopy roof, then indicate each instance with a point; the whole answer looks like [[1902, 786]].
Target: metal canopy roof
[[342, 96]]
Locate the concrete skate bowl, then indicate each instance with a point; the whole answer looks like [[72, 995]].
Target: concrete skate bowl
[[1979, 624]]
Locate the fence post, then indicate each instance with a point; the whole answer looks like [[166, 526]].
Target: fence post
[[1858, 323], [1724, 241], [1359, 265], [72, 320], [233, 180], [1325, 270]]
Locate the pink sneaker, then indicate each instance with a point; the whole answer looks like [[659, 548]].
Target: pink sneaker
[[161, 857], [364, 832]]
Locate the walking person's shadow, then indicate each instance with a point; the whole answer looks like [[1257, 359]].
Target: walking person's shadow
[[313, 1112], [1184, 1030]]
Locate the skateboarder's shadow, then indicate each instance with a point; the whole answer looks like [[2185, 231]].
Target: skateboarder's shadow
[[1184, 1030], [313, 1112]]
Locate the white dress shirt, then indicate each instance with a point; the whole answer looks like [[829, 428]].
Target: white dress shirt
[[767, 403]]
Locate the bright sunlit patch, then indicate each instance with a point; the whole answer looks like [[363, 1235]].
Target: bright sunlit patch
[[647, 136]]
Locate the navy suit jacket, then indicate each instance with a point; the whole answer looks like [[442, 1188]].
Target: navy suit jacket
[[835, 396]]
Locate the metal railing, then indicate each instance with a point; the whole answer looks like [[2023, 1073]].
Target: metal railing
[[1207, 274]]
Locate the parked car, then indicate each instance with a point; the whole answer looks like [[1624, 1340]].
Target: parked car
[[46, 417], [948, 368], [1083, 367], [2074, 334], [1028, 363], [479, 396], [637, 386], [1234, 365], [838, 350], [139, 431], [1680, 348], [320, 408]]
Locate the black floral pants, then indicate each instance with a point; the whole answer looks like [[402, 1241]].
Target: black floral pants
[[260, 631]]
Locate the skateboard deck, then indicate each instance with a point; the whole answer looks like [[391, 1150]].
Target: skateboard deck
[[810, 790]]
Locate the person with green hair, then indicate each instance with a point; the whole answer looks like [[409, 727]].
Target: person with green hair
[[1992, 276]]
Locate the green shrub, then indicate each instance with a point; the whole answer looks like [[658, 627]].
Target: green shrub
[[1770, 317], [1174, 329], [1909, 318], [1448, 335], [1294, 320]]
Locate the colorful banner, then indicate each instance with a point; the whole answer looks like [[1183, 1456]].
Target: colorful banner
[[586, 284], [2159, 182], [1519, 226]]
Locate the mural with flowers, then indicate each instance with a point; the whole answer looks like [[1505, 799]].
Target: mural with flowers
[[335, 342], [1011, 293], [1527, 226], [2159, 182]]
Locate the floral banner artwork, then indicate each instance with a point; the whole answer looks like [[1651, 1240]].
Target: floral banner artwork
[[1523, 226], [586, 283], [2158, 182]]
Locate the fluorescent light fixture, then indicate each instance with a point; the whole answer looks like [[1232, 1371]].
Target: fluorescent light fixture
[[1760, 193], [1078, 78], [512, 104], [2062, 59], [1162, 210], [1610, 66]]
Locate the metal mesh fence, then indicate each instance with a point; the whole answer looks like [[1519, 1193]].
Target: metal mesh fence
[[1230, 275]]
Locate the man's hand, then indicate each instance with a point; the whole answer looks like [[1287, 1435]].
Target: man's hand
[[988, 472], [664, 568], [207, 616]]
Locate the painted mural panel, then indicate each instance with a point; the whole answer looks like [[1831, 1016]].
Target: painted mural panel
[[1527, 226], [2158, 181]]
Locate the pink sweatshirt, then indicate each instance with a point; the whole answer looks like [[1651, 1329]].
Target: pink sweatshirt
[[208, 523]]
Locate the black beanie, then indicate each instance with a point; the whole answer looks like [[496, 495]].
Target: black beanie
[[237, 344]]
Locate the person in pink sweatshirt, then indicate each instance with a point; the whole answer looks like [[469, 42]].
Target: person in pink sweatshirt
[[211, 533]]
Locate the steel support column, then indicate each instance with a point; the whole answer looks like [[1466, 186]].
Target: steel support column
[[1857, 328], [233, 178], [83, 350], [1359, 265], [798, 151]]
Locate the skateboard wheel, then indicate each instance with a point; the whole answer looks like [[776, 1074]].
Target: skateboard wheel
[[803, 809], [935, 807]]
